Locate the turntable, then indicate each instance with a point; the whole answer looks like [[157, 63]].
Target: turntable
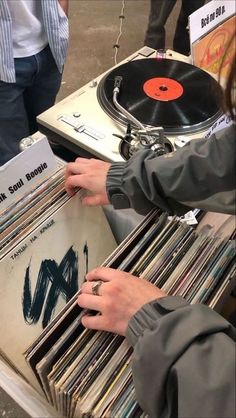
[[153, 99]]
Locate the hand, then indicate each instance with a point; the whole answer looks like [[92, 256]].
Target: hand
[[90, 174], [120, 296]]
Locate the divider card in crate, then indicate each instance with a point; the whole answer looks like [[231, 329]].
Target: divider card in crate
[[45, 270]]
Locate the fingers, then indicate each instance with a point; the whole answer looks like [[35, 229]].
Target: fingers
[[83, 181], [71, 168], [79, 166], [70, 189], [85, 161], [87, 287], [89, 174], [89, 301], [75, 181], [84, 165], [99, 199], [105, 274], [96, 322], [96, 200]]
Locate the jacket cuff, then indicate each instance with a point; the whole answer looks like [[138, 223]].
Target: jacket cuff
[[114, 184], [147, 316]]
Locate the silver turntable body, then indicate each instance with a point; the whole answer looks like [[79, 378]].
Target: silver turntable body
[[81, 123]]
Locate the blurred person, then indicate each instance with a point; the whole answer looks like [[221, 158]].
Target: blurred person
[[33, 46], [184, 355], [159, 13]]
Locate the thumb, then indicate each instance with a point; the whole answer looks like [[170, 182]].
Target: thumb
[[95, 200]]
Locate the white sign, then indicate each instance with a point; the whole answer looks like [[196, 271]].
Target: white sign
[[223, 122], [25, 171], [207, 17]]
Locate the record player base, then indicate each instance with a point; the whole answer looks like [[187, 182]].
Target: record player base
[[87, 123]]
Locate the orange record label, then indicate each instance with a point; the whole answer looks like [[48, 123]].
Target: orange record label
[[163, 89]]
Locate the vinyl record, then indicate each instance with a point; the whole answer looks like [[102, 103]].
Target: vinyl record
[[177, 96]]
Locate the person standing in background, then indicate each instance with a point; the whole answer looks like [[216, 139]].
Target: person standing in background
[[159, 13], [33, 47]]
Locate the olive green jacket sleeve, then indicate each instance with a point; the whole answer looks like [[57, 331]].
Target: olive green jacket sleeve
[[183, 361], [201, 175]]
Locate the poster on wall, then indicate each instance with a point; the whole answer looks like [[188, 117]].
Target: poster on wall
[[208, 52]]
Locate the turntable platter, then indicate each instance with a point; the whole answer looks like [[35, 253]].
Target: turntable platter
[[175, 95]]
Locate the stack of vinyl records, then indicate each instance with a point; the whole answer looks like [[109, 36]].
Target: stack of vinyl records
[[48, 242], [85, 373]]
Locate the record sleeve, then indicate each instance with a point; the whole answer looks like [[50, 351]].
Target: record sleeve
[[94, 376], [43, 272]]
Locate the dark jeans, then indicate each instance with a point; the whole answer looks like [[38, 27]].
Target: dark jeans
[[159, 13], [37, 84]]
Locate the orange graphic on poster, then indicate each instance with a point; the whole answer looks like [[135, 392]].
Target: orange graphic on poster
[[208, 51]]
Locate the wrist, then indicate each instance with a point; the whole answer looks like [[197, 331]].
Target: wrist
[[150, 313]]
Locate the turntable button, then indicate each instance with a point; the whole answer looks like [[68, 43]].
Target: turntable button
[[146, 51], [93, 83]]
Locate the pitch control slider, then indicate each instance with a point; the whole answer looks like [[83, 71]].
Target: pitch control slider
[[70, 120], [90, 132], [82, 128]]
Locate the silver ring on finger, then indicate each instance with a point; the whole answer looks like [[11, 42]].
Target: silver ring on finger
[[95, 287]]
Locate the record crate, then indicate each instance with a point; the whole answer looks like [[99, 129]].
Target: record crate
[[169, 235]]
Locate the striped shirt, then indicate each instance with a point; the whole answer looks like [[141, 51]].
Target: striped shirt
[[56, 28]]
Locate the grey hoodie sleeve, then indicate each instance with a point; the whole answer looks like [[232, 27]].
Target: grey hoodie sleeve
[[183, 361], [200, 175]]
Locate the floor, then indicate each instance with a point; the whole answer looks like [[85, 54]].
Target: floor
[[94, 28]]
